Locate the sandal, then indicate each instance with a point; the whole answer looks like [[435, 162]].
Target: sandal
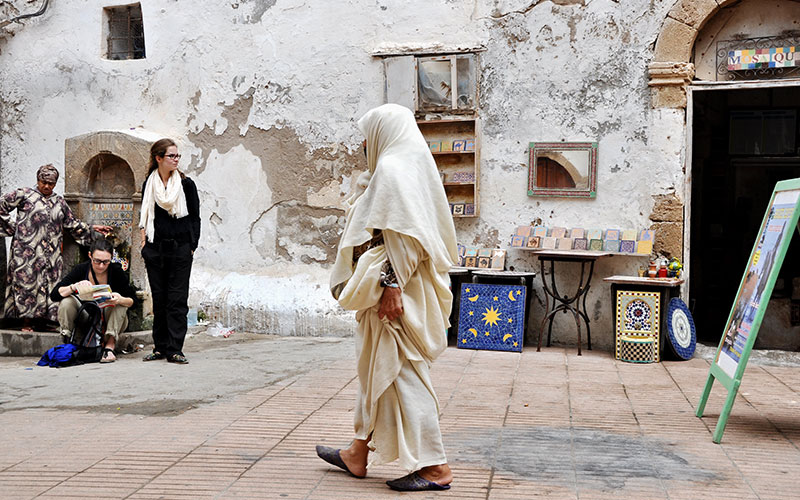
[[153, 356], [177, 358], [108, 356]]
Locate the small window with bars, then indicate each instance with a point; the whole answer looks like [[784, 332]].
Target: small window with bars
[[125, 34]]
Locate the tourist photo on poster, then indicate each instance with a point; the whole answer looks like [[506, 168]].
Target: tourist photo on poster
[[750, 296]]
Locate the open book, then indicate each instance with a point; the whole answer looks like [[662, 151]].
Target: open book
[[99, 293]]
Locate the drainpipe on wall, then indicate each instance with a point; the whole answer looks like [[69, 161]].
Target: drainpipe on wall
[[26, 16]]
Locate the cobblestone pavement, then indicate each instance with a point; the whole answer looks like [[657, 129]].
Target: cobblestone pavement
[[245, 418]]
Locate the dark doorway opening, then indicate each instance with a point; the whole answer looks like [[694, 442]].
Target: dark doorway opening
[[744, 141]]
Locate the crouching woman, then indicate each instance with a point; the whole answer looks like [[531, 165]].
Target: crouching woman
[[99, 270]]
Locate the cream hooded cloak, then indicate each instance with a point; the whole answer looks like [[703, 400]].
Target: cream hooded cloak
[[402, 196]]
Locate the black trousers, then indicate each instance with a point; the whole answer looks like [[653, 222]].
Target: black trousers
[[169, 265]]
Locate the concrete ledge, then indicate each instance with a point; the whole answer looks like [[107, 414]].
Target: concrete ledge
[[17, 343]]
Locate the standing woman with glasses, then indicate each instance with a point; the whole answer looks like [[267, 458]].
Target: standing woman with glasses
[[170, 224]]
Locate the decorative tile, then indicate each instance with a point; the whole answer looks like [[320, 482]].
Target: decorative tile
[[638, 313], [612, 234], [627, 246], [558, 232], [596, 245], [644, 247], [523, 230], [581, 244], [534, 242], [549, 243], [629, 234], [577, 233], [611, 245], [540, 231], [491, 317], [498, 259], [564, 243], [518, 241], [647, 235], [594, 234], [463, 177]]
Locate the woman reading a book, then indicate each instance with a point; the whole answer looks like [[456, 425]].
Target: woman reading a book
[[100, 280]]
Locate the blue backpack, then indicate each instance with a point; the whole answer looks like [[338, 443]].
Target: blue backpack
[[86, 342]]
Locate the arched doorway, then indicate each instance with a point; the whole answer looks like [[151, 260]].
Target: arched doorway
[[742, 138]]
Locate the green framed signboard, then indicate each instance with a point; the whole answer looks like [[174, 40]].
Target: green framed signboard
[[753, 296]]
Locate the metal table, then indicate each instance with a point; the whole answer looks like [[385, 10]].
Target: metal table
[[575, 303]]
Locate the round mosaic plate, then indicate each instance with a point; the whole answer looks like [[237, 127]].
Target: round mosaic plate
[[680, 329]]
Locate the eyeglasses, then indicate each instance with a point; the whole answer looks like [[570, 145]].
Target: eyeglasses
[[173, 157], [101, 262]]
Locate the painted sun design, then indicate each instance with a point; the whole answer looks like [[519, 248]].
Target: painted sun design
[[491, 316]]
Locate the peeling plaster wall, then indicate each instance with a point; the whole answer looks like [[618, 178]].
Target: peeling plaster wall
[[263, 96]]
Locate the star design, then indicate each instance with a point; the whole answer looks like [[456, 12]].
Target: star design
[[515, 344], [519, 292], [463, 341], [466, 290], [495, 299], [470, 313], [510, 320], [487, 334]]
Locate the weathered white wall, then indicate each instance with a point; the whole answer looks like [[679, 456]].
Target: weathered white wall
[[263, 96]]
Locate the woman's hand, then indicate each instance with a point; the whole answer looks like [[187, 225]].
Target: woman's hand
[[144, 239], [118, 300], [104, 230], [391, 303]]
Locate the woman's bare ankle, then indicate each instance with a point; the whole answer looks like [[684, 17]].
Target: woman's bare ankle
[[439, 474]]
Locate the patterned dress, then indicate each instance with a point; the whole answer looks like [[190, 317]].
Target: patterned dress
[[35, 264]]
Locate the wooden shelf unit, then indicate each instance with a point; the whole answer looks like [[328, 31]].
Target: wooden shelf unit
[[451, 162]]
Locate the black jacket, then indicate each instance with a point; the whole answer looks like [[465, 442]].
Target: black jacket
[[183, 230], [117, 280]]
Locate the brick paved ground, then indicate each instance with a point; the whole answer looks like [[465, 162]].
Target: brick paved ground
[[516, 426]]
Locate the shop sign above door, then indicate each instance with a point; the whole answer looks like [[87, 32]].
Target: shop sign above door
[[758, 58], [774, 57]]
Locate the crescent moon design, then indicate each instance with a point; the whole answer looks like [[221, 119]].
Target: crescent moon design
[[473, 331], [507, 336], [511, 296], [473, 299]]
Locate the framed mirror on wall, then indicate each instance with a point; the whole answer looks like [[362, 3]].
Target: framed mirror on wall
[[562, 169]]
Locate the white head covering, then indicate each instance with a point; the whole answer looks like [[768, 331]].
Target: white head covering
[[403, 192]]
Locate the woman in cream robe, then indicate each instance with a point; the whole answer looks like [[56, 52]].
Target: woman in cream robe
[[397, 213]]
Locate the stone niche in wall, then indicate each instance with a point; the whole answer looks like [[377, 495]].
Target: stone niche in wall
[[103, 176]]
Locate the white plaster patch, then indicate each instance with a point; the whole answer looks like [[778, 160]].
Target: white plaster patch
[[239, 229]]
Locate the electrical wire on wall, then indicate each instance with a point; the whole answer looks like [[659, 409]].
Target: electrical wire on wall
[[26, 16]]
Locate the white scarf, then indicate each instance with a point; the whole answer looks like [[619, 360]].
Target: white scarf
[[170, 197]]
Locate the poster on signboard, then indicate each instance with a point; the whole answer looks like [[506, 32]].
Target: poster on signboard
[[752, 298]]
